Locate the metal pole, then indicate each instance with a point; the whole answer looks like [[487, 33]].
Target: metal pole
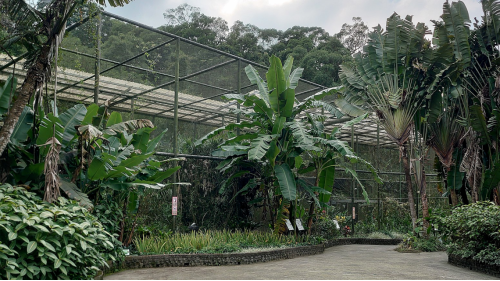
[[378, 169], [97, 59], [239, 92], [176, 122], [400, 195], [353, 184]]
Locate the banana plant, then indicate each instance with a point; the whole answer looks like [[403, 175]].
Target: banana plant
[[273, 133], [332, 154]]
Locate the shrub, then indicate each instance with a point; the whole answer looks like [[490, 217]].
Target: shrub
[[39, 240], [473, 231], [424, 244]]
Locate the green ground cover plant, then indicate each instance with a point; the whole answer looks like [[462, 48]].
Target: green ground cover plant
[[216, 242], [40, 240]]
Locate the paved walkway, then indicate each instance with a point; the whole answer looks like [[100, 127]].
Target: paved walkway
[[340, 262]]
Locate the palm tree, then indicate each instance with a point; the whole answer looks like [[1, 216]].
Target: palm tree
[[385, 79], [43, 31]]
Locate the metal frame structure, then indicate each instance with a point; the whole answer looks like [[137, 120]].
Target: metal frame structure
[[158, 101]]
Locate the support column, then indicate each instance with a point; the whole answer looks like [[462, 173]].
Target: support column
[[176, 189], [377, 163], [353, 184], [238, 117], [97, 59]]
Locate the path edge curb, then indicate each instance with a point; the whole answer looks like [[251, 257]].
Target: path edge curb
[[474, 265], [189, 260]]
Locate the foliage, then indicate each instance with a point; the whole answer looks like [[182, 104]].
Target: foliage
[[50, 241], [277, 139], [215, 242], [354, 36], [424, 244], [325, 226], [473, 231]]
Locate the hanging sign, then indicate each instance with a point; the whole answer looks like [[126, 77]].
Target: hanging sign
[[174, 206], [353, 213]]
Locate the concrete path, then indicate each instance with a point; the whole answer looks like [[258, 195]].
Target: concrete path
[[340, 262]]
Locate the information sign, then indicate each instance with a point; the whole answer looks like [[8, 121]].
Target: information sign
[[298, 223], [174, 206], [289, 225]]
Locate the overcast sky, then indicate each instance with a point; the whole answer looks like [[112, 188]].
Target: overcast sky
[[283, 14]]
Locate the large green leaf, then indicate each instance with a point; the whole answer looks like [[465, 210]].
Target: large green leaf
[[260, 146], [160, 176], [133, 202], [228, 127], [254, 77], [300, 133], [154, 142], [250, 184], [46, 129], [91, 113], [478, 123], [228, 181], [73, 192], [326, 179], [355, 176], [287, 100], [286, 181], [69, 119], [114, 119], [293, 80], [140, 139], [491, 181], [456, 20], [5, 94], [276, 82], [24, 124], [100, 166]]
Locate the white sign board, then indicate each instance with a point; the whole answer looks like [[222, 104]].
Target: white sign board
[[289, 225], [353, 213], [298, 223], [174, 206]]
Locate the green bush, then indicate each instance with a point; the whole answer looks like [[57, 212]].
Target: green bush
[[39, 240], [424, 244], [473, 231]]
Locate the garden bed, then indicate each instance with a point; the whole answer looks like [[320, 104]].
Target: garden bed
[[474, 265], [181, 260]]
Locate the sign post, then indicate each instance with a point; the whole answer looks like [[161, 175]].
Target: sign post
[[174, 206]]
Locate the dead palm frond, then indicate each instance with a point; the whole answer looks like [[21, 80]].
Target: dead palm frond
[[51, 171]]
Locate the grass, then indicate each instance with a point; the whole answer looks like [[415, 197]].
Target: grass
[[216, 242]]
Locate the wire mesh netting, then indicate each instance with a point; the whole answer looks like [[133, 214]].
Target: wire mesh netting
[[170, 80]]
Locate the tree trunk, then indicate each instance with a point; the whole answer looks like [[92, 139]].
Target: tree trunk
[[454, 198], [311, 208], [425, 202], [35, 78], [411, 201], [463, 192]]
